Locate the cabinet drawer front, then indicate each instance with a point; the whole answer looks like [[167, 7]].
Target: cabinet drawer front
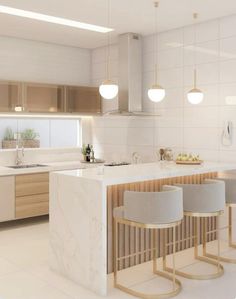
[[7, 198], [32, 205], [32, 184]]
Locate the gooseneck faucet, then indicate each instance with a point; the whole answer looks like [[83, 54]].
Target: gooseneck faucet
[[19, 157]]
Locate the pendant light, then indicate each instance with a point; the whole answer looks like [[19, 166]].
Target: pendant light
[[108, 89], [195, 95], [156, 93]]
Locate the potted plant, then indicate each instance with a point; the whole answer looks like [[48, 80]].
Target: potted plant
[[30, 138], [8, 139]]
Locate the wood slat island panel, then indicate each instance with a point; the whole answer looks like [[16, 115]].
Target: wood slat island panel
[[138, 242]]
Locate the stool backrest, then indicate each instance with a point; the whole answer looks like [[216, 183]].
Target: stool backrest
[[230, 189], [208, 197], [154, 207]]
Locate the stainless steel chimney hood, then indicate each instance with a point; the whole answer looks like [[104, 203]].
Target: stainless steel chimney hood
[[130, 76]]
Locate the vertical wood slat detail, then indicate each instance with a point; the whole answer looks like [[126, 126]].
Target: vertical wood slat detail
[[138, 242]]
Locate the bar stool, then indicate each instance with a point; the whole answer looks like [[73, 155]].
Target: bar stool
[[230, 192], [202, 201], [150, 210]]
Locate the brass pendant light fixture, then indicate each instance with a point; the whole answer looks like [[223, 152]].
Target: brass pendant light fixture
[[156, 93], [108, 89], [195, 95]]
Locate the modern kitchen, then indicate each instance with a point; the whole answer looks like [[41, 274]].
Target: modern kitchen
[[117, 149]]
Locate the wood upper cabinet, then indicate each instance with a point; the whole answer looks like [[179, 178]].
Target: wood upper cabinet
[[10, 96], [44, 98], [49, 98], [81, 99]]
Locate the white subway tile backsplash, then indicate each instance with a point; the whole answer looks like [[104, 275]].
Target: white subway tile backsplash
[[206, 74], [225, 91], [172, 77], [227, 113], [201, 138], [228, 26], [173, 99], [170, 39], [207, 31], [169, 137], [228, 71], [115, 136], [201, 117], [171, 58], [140, 136], [228, 48], [170, 118]]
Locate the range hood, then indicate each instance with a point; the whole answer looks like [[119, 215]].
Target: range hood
[[130, 76]]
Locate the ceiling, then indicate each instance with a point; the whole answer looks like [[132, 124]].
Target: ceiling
[[126, 16]]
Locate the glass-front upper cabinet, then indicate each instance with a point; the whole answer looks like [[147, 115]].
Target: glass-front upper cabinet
[[10, 96], [44, 98], [81, 99]]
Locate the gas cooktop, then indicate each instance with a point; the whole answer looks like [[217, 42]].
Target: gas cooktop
[[117, 164]]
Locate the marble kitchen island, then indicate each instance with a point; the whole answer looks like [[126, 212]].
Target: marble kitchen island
[[81, 205]]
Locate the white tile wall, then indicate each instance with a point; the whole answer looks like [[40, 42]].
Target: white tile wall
[[32, 61], [182, 126]]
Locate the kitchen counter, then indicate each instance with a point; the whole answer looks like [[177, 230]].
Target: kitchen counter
[[145, 172], [51, 166], [81, 207]]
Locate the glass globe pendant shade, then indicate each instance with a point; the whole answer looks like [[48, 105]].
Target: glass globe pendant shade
[[108, 90], [156, 93], [195, 96]]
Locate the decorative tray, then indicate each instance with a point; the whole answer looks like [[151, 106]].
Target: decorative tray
[[199, 162]]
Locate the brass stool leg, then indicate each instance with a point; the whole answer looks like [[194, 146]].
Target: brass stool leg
[[173, 256], [220, 269], [154, 251], [164, 249], [195, 223], [177, 284], [217, 256], [231, 243], [115, 251], [204, 237]]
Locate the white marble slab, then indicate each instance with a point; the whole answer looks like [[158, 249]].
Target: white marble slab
[[78, 216], [147, 171], [78, 231]]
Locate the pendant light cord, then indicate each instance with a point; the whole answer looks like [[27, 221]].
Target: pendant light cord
[[108, 40], [195, 15], [156, 5]]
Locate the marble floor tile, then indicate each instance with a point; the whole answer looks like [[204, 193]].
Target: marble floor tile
[[25, 274]]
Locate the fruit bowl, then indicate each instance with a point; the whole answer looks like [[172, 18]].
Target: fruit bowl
[[188, 159]]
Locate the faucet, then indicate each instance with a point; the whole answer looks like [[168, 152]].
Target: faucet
[[136, 158], [19, 160]]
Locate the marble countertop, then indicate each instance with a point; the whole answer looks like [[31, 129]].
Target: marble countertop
[[145, 172], [50, 166]]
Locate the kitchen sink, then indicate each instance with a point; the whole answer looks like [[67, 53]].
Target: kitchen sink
[[26, 166]]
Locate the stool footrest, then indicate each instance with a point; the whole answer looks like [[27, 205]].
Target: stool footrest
[[220, 258], [176, 290], [217, 274]]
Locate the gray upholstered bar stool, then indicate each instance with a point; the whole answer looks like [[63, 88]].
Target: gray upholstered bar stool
[[230, 194], [203, 201], [150, 210]]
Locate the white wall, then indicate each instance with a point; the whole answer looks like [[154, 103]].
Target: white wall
[[183, 127], [26, 60]]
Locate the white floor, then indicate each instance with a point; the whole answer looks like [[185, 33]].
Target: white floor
[[24, 271]]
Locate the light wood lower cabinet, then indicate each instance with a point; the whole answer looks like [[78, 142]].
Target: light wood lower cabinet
[[32, 195], [7, 198]]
